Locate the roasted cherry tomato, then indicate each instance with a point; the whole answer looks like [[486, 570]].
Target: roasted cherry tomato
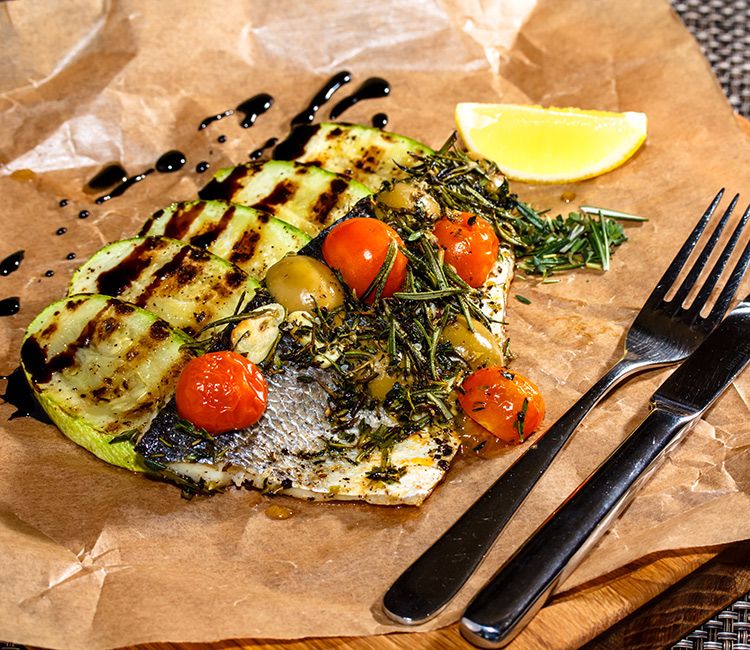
[[221, 391], [357, 248], [503, 402], [470, 246]]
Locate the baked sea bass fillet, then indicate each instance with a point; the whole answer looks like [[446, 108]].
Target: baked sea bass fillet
[[334, 373]]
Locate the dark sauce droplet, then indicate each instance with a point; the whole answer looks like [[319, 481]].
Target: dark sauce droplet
[[84, 214], [171, 161], [215, 118], [63, 203], [18, 393], [61, 231], [293, 146], [107, 177], [49, 273], [11, 263], [254, 108], [380, 120], [124, 186], [70, 256], [255, 155], [221, 139], [10, 306], [321, 97], [202, 166], [371, 88]]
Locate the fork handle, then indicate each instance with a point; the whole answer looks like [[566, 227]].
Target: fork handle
[[429, 584], [519, 589]]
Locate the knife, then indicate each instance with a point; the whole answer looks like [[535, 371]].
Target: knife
[[519, 589]]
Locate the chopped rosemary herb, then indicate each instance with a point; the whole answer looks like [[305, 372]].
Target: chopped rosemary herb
[[523, 299]]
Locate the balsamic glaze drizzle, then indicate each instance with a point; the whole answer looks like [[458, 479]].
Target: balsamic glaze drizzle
[[254, 108], [171, 161], [84, 214], [321, 97], [202, 166], [371, 88], [108, 176], [124, 186], [63, 202], [18, 393], [11, 263], [10, 306], [380, 120], [215, 118], [61, 231], [255, 155]]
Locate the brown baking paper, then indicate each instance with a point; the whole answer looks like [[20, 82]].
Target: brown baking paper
[[96, 557]]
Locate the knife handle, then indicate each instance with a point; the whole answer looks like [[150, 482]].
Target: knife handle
[[519, 589], [429, 584]]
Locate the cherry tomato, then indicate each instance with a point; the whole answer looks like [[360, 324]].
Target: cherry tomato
[[357, 248], [503, 402], [470, 246], [221, 391]]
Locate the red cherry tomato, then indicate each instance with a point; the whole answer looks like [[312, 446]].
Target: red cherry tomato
[[357, 248], [221, 391], [494, 397], [470, 246]]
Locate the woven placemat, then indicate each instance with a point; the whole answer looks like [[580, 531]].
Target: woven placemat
[[722, 29]]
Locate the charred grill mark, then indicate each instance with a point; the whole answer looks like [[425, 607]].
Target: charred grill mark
[[159, 330], [128, 270], [150, 222], [41, 368], [182, 219], [294, 145], [244, 249], [369, 159], [205, 239], [281, 193], [230, 186], [175, 266], [235, 278], [328, 199]]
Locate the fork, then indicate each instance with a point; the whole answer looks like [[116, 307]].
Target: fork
[[663, 333]]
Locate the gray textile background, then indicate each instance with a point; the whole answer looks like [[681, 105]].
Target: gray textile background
[[722, 28]]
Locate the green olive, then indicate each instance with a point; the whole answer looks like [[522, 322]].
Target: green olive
[[406, 196], [478, 348], [382, 384], [299, 283]]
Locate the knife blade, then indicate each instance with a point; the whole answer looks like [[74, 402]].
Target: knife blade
[[519, 589]]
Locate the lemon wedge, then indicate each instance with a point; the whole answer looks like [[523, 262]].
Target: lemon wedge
[[550, 145]]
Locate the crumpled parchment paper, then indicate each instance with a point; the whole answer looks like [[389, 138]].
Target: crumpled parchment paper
[[96, 557]]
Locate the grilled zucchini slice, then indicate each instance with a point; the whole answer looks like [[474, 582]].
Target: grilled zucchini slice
[[251, 239], [305, 196], [362, 153], [101, 367], [183, 284]]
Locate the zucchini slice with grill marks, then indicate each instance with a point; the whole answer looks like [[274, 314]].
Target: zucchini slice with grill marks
[[100, 368], [305, 196], [251, 239], [183, 284], [362, 153]]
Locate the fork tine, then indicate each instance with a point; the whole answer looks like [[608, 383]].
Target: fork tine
[[700, 263], [670, 275], [726, 295], [718, 268]]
